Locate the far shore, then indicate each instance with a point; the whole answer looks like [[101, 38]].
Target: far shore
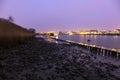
[[95, 34]]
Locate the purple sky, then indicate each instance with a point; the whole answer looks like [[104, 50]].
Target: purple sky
[[63, 15]]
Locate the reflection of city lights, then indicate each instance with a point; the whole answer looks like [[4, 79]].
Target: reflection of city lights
[[115, 37], [56, 37]]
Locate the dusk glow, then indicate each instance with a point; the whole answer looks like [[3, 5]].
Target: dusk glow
[[59, 39], [63, 15]]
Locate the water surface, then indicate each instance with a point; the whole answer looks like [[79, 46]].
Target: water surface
[[108, 41]]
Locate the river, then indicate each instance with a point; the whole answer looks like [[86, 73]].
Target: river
[[108, 41]]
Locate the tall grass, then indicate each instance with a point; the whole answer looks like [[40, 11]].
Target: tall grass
[[11, 33]]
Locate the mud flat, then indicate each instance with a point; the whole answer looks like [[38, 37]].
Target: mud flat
[[38, 59]]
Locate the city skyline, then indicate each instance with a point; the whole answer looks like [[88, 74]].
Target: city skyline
[[63, 15], [88, 30]]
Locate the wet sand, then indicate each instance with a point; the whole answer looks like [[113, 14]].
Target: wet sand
[[38, 59]]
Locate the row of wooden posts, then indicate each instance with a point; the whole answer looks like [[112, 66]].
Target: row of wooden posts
[[103, 51], [96, 49]]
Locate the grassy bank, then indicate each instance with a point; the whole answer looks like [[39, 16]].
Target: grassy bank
[[11, 33]]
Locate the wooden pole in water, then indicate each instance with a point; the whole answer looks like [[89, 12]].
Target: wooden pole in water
[[107, 52], [117, 55], [103, 52], [98, 51]]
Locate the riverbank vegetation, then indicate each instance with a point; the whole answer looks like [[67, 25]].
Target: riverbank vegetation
[[11, 33]]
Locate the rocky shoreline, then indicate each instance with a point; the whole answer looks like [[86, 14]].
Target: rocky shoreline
[[38, 59]]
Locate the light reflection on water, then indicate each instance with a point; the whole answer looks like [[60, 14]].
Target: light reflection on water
[[99, 40]]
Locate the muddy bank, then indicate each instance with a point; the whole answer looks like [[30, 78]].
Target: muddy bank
[[41, 60]]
